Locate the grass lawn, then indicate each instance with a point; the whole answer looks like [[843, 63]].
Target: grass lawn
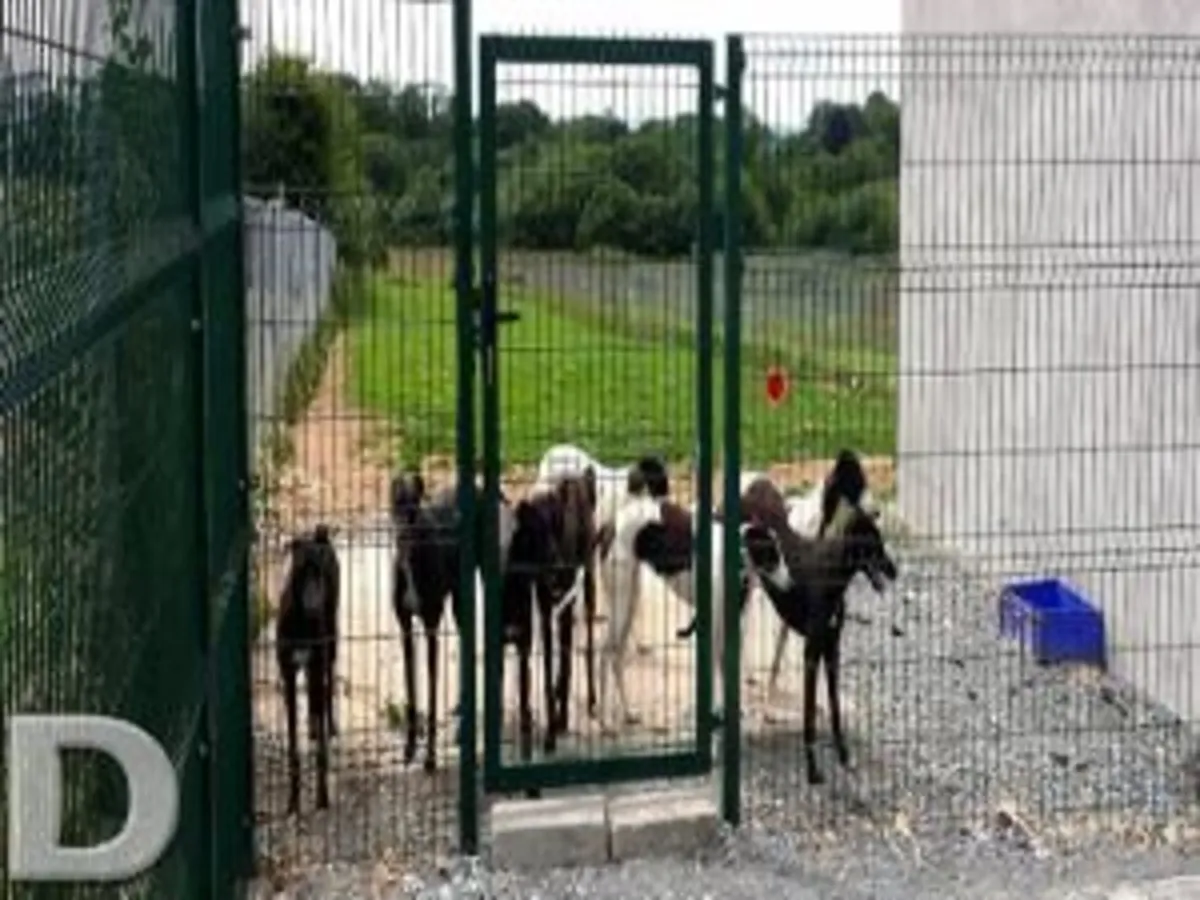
[[617, 384]]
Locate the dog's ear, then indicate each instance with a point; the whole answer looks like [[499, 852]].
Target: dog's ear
[[636, 482], [847, 458], [650, 543], [654, 474]]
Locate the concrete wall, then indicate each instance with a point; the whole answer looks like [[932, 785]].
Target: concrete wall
[[1050, 408], [290, 263]]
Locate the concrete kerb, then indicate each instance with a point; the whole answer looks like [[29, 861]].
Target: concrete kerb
[[592, 829]]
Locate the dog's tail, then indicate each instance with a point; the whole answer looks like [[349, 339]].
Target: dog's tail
[[687, 630]]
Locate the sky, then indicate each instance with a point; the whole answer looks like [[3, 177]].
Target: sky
[[410, 40], [402, 41]]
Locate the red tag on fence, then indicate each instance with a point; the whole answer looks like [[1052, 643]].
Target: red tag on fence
[[777, 385]]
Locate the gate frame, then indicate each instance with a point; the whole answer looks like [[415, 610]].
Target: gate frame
[[732, 273], [573, 50]]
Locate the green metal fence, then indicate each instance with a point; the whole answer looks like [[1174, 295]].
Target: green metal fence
[[591, 406], [657, 229], [123, 519]]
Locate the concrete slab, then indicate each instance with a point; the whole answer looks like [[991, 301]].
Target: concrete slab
[[662, 823], [1181, 888], [550, 833]]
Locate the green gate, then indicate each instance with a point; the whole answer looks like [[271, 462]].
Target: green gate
[[500, 305]]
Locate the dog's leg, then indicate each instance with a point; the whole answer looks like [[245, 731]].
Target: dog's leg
[[600, 713], [777, 660], [431, 669], [523, 691], [718, 636], [331, 686], [832, 656], [812, 660], [293, 752], [562, 688], [589, 611], [546, 616], [644, 648], [625, 604], [410, 688], [316, 674]]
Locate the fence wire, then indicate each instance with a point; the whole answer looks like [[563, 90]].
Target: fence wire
[[971, 260], [347, 137], [968, 257], [105, 508], [985, 292]]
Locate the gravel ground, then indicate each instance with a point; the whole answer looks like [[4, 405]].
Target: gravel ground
[[757, 863], [951, 726], [970, 762]]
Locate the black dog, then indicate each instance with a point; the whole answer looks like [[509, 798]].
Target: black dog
[[306, 634], [542, 542], [425, 572], [815, 607]]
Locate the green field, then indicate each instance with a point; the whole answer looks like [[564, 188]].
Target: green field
[[618, 383]]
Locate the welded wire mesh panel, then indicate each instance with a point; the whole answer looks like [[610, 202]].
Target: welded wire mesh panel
[[977, 256], [99, 519], [347, 160], [598, 208]]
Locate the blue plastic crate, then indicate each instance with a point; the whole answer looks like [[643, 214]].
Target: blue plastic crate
[[1054, 620]]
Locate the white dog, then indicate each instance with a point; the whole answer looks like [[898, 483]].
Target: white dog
[[659, 534]]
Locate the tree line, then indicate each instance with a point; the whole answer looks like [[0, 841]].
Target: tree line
[[384, 156], [375, 163]]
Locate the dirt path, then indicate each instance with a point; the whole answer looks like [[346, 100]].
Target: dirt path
[[339, 469]]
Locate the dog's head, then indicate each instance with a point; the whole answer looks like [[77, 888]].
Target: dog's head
[[579, 492], [863, 545], [312, 560], [763, 552], [408, 492], [571, 511], [648, 476], [846, 483]]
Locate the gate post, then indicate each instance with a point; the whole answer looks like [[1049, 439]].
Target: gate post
[[464, 287], [731, 737]]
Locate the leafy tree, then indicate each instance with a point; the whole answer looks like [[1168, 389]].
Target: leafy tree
[[574, 183], [303, 140]]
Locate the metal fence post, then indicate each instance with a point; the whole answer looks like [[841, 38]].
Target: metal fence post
[[464, 286], [731, 744], [203, 752]]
